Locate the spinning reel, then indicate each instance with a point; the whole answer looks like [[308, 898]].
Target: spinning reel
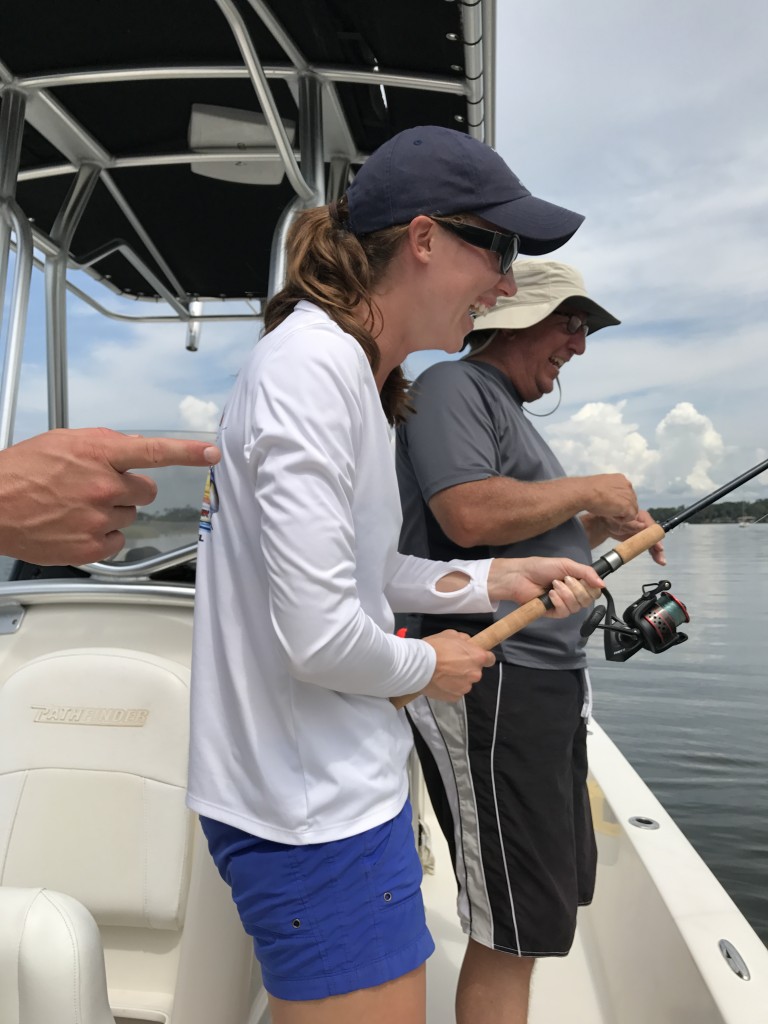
[[650, 623]]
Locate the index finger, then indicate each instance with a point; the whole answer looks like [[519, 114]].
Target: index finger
[[124, 452], [585, 573], [657, 554]]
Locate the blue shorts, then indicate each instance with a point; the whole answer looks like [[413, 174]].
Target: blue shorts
[[327, 918]]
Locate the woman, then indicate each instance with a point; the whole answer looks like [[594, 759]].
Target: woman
[[298, 759]]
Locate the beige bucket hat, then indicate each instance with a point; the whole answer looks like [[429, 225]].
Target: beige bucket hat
[[542, 287]]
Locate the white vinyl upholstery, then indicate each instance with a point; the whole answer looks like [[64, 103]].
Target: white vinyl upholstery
[[51, 960], [93, 758], [93, 766]]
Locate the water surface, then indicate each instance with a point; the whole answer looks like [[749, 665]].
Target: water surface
[[693, 720]]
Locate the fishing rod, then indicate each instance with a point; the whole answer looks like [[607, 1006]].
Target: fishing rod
[[649, 623]]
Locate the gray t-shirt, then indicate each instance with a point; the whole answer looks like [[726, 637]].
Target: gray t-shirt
[[469, 425]]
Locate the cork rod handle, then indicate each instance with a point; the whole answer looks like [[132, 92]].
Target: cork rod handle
[[500, 630], [533, 610], [629, 549]]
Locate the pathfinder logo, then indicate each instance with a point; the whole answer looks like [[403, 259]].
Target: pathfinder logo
[[127, 717]]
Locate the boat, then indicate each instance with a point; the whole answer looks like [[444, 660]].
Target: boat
[[163, 151]]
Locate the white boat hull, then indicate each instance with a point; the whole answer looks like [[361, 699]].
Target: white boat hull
[[647, 949]]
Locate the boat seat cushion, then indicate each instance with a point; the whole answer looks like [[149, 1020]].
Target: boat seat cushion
[[51, 960], [93, 765]]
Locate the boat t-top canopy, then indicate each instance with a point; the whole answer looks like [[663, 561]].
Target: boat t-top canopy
[[164, 148], [163, 142]]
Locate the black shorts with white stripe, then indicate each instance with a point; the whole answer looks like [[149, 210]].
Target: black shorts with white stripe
[[506, 771]]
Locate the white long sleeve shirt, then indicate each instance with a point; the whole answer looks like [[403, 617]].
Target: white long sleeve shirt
[[298, 574]]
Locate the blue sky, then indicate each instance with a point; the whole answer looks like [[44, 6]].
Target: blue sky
[[649, 119]]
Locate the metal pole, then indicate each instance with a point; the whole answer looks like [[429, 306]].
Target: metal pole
[[12, 107], [17, 321], [268, 106], [338, 178], [277, 251], [312, 169], [474, 53], [56, 292], [194, 327], [311, 138]]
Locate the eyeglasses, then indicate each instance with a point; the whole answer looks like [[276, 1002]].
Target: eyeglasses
[[575, 324], [506, 245]]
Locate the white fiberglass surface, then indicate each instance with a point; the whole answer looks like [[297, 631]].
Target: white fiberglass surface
[[647, 949]]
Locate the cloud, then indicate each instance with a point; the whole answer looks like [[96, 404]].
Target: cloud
[[198, 414], [689, 447], [597, 439]]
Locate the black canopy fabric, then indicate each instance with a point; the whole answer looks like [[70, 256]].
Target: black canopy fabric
[[214, 236]]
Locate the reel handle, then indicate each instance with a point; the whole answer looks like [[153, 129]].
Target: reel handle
[[532, 610]]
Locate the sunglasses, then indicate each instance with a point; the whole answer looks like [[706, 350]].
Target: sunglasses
[[507, 246], [575, 323]]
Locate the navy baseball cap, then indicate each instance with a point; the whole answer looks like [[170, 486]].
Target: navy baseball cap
[[433, 170]]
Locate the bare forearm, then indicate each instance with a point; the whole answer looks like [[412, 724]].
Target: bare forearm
[[501, 510]]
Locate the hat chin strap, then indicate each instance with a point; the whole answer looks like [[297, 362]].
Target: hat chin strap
[[479, 348], [559, 400]]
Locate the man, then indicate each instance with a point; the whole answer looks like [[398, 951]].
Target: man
[[67, 493], [506, 767]]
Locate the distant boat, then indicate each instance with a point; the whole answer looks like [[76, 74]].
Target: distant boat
[[745, 520]]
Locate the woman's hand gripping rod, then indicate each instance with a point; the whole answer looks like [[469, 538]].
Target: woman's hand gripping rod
[[539, 606]]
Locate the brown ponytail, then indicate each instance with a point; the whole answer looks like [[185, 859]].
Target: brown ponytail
[[329, 266]]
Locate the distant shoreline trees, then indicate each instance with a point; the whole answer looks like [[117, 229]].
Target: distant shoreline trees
[[720, 512]]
